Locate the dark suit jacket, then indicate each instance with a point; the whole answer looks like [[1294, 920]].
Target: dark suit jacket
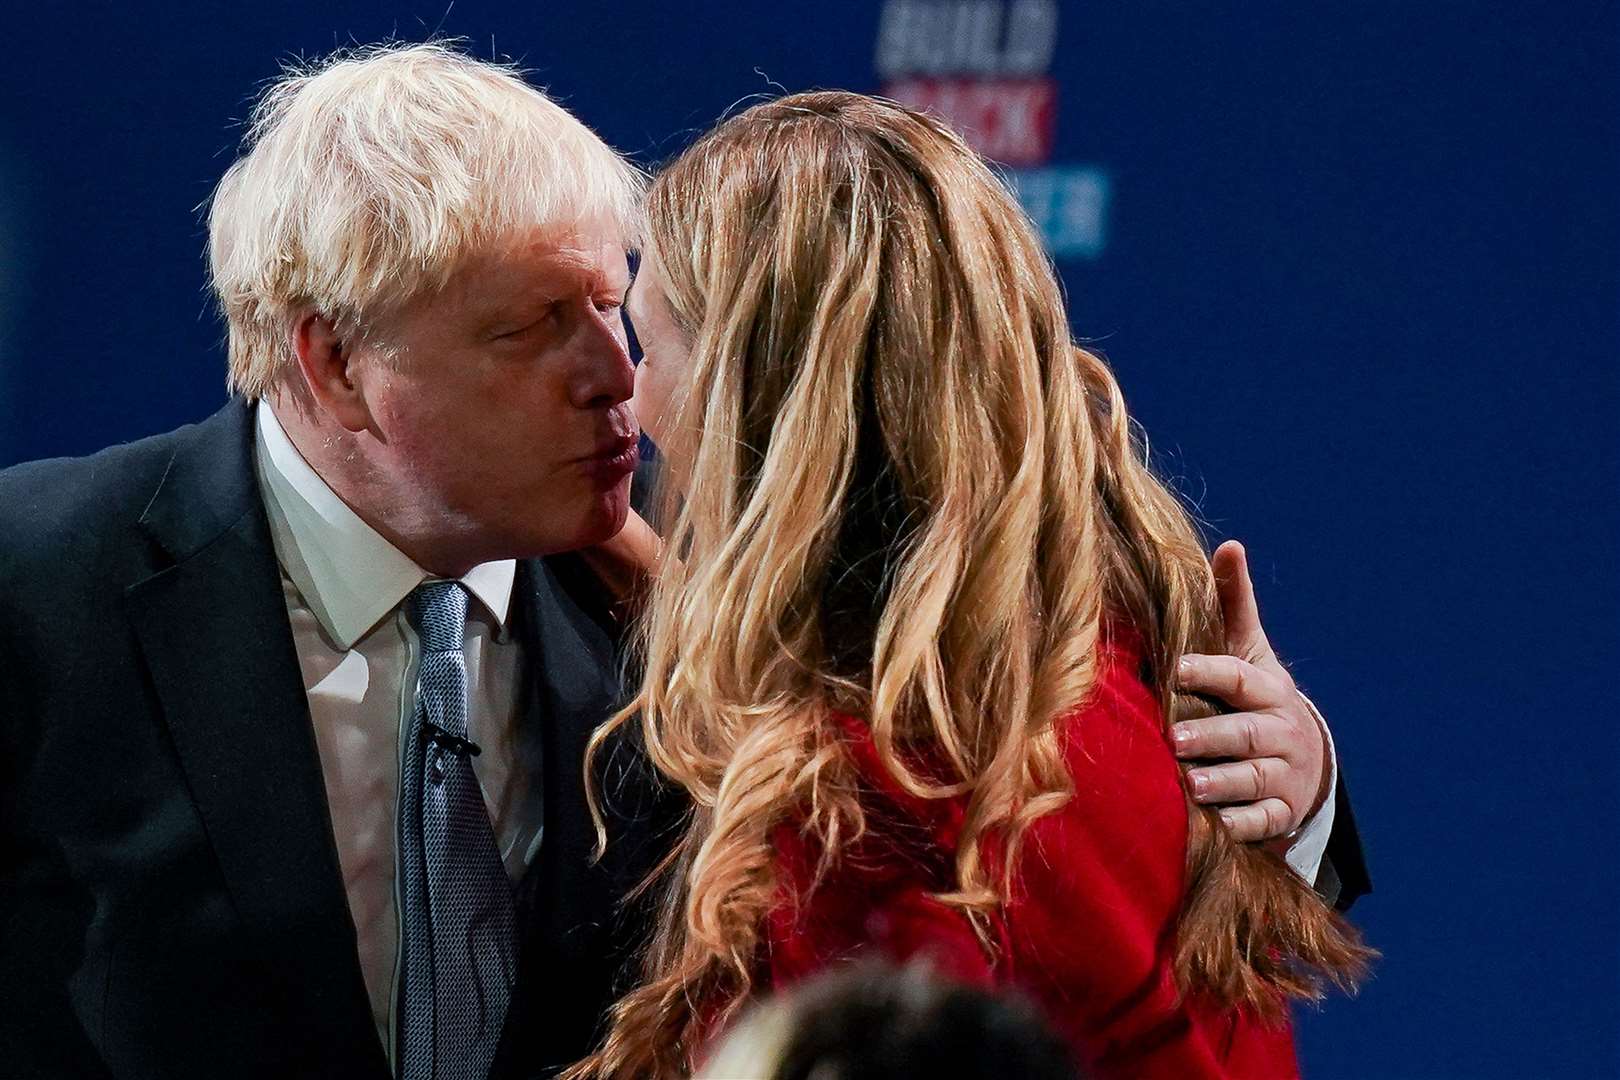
[[170, 898]]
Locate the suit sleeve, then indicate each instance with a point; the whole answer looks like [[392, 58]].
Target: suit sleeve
[[1327, 850], [1343, 878]]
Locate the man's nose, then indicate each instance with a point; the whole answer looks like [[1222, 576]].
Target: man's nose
[[606, 377]]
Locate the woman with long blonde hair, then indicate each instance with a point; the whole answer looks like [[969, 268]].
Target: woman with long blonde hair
[[912, 651]]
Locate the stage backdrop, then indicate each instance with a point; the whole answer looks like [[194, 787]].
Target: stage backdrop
[[1354, 264]]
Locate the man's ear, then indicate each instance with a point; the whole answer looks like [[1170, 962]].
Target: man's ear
[[326, 360]]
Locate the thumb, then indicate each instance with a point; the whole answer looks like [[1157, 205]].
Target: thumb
[[1245, 637]]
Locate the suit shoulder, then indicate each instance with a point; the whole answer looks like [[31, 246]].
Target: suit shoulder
[[55, 506]]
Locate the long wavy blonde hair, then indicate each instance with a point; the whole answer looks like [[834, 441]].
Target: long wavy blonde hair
[[905, 493]]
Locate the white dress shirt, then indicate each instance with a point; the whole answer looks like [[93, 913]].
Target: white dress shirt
[[345, 586]]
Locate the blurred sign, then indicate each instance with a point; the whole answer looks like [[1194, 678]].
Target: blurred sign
[[982, 67], [1068, 204], [966, 37], [1006, 120]]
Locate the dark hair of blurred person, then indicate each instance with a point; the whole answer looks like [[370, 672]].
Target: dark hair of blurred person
[[876, 1022]]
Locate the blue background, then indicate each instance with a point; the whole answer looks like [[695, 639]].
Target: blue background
[[1359, 284]]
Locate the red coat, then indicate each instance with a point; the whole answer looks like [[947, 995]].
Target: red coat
[[1089, 934]]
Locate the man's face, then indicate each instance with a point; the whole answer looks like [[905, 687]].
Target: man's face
[[506, 410]]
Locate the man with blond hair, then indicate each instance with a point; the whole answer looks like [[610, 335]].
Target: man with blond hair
[[295, 700], [263, 668]]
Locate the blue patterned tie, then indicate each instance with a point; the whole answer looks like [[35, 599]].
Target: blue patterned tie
[[459, 942]]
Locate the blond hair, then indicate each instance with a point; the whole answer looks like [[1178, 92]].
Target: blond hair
[[369, 176], [910, 496]]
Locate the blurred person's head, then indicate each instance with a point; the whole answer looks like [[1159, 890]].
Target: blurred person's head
[[873, 1022], [420, 259], [905, 494]]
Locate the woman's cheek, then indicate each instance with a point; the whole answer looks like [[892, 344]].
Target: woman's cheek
[[650, 399]]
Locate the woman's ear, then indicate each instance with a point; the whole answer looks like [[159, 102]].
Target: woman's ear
[[326, 360]]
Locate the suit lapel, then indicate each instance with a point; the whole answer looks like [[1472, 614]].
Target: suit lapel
[[214, 633], [573, 658], [575, 935]]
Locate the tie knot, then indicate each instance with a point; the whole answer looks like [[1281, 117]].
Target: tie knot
[[439, 611]]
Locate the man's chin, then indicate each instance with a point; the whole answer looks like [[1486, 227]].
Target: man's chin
[[612, 523], [584, 520], [605, 519]]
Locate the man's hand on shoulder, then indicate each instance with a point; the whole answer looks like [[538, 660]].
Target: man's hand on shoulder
[[1278, 775]]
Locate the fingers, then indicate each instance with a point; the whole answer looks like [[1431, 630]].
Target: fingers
[[1236, 590], [1245, 636], [1229, 735], [1240, 781], [1263, 820], [641, 538], [1237, 682], [627, 561]]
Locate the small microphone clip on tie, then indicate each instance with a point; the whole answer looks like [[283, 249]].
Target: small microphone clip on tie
[[454, 744]]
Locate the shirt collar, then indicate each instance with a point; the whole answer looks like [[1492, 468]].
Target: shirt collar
[[348, 573]]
